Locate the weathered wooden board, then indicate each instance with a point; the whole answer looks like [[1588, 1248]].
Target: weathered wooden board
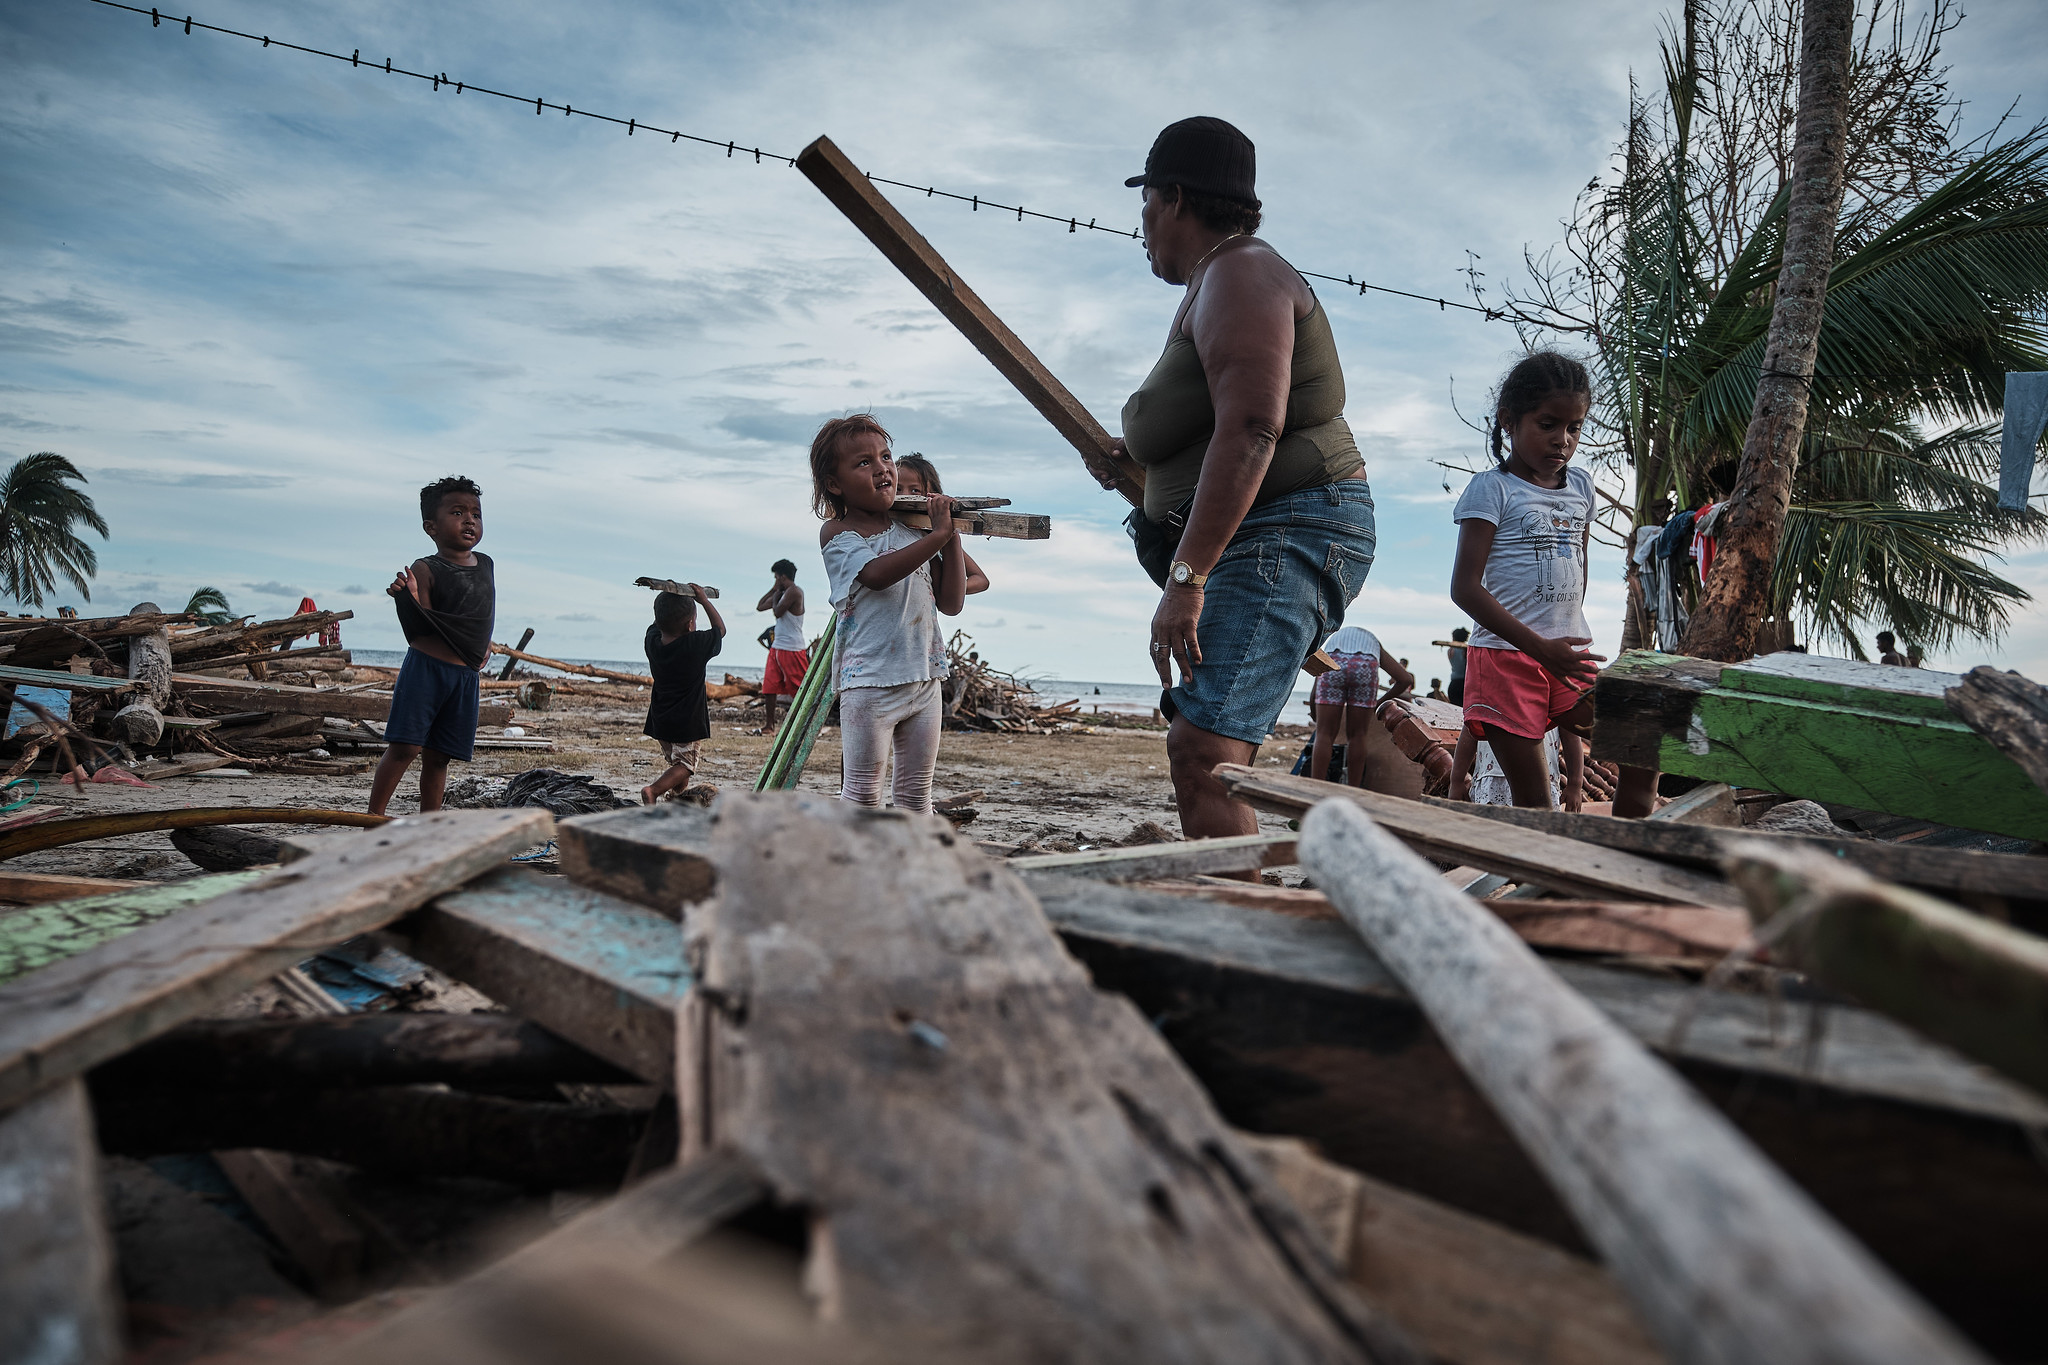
[[66, 682], [1002, 525], [73, 1014], [37, 888], [1185, 858], [1449, 831], [57, 1296], [298, 1206], [655, 855], [602, 972], [1949, 870], [992, 1147], [1864, 735], [1725, 1258], [2009, 710], [1295, 1028], [236, 694], [52, 931]]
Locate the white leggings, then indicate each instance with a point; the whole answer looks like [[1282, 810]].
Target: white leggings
[[875, 722]]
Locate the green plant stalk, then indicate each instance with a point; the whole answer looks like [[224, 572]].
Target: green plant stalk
[[811, 729], [780, 751]]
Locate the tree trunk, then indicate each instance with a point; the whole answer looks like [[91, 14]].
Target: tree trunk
[[140, 724], [1737, 593]]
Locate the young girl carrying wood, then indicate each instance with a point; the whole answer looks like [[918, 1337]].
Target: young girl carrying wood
[[918, 477], [1521, 576], [888, 583]]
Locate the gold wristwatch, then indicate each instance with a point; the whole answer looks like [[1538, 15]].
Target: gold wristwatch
[[1184, 574]]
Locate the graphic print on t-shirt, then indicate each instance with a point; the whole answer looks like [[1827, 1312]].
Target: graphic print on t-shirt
[[1555, 537]]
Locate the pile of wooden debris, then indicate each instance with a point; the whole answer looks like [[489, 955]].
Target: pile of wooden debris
[[163, 694], [982, 697]]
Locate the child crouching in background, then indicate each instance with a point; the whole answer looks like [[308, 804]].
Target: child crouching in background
[[678, 715], [888, 583]]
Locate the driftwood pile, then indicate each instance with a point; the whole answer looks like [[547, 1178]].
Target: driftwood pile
[[982, 697], [164, 693]]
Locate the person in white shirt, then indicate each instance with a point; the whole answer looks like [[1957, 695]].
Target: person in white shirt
[[1344, 698]]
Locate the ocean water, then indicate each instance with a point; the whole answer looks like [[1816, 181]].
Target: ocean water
[[1118, 698]]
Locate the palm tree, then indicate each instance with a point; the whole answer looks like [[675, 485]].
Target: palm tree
[[38, 508], [1938, 287], [211, 606]]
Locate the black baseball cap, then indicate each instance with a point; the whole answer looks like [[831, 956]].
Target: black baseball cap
[[1205, 155]]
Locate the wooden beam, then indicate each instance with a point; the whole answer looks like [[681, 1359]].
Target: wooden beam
[[1951, 870], [2010, 711], [74, 1014], [65, 682], [658, 856], [1449, 831], [283, 658], [1864, 735], [1183, 858], [301, 1211], [583, 670], [666, 585], [603, 973], [238, 694], [856, 197], [1723, 1256], [1002, 525], [57, 833], [915, 503], [58, 1301], [36, 888], [882, 1044], [1968, 981], [1710, 803]]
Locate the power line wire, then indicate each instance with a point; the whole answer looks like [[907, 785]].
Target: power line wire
[[635, 126]]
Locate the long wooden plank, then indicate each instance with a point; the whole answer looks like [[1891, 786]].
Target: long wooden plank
[[56, 1022], [36, 888], [1950, 870], [606, 974], [1726, 1259], [58, 833], [1001, 525], [57, 1296], [658, 856], [1186, 858], [66, 682], [993, 1148], [54, 930], [1566, 866], [855, 196], [241, 695], [1837, 730]]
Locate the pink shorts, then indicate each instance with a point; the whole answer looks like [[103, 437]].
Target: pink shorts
[[1355, 681], [1507, 688]]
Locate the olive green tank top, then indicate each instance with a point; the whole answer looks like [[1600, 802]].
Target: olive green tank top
[[1169, 420]]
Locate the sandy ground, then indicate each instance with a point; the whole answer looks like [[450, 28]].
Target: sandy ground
[[1053, 791]]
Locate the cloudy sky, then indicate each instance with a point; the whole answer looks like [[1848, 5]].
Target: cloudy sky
[[262, 297]]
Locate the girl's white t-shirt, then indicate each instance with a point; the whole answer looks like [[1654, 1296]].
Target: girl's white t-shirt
[[886, 636], [1537, 569]]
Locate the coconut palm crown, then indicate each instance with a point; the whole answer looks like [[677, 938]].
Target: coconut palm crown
[[39, 508]]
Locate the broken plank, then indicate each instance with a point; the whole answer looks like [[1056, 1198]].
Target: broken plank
[[996, 1149], [601, 972], [1184, 858], [62, 927], [1002, 525], [914, 502], [238, 695], [583, 670], [58, 1302], [663, 585], [35, 888], [1710, 803], [57, 833], [299, 1209], [1446, 830], [2009, 710], [1953, 871], [76, 1013], [1865, 735], [66, 682], [1723, 1256], [656, 855]]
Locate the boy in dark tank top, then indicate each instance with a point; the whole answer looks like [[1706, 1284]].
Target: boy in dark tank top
[[447, 606]]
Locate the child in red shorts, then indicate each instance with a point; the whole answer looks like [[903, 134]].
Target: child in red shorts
[[1521, 574]]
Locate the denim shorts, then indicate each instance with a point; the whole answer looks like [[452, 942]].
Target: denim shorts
[[434, 704], [1278, 592]]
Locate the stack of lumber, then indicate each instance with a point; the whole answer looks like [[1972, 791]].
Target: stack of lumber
[[982, 697], [181, 695]]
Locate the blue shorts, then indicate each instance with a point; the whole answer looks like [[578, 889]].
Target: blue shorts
[[1278, 592], [435, 705]]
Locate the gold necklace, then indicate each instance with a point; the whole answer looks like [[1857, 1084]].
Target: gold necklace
[[1211, 252]]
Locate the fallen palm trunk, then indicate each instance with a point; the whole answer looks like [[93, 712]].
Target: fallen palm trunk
[[140, 724], [1726, 1259], [1968, 981]]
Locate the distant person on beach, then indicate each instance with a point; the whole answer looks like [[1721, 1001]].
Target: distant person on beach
[[1257, 521], [1521, 573], [1436, 690], [918, 477], [1888, 650], [447, 605], [678, 715], [1345, 696], [891, 653], [1458, 650], [789, 653]]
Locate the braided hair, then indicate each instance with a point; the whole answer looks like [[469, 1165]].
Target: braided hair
[[1534, 378]]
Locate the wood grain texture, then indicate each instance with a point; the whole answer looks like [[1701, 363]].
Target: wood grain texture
[[73, 1014], [1725, 1258], [994, 1148], [233, 694], [655, 855], [1001, 525], [878, 220], [1184, 858], [602, 972], [2009, 710], [52, 931], [58, 1304], [1448, 830], [37, 888]]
